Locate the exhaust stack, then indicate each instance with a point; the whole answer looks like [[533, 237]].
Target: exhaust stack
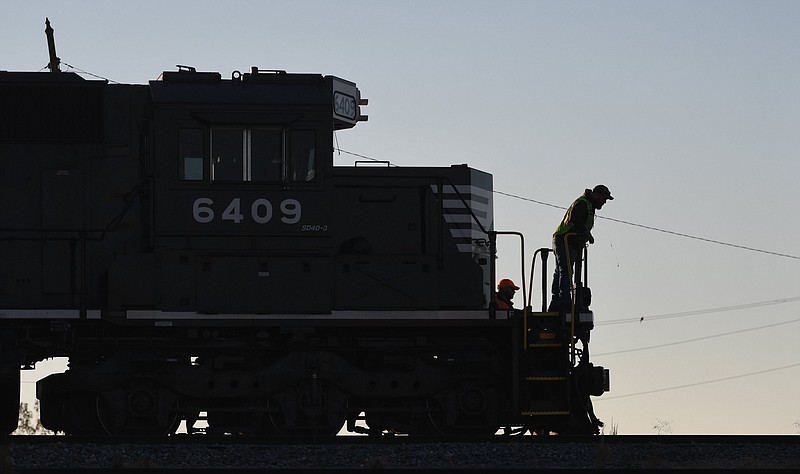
[[51, 47]]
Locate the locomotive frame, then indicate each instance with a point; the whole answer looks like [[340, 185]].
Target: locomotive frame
[[189, 246]]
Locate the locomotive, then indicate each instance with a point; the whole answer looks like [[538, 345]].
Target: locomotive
[[191, 249]]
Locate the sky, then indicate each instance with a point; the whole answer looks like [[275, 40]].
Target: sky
[[687, 110]]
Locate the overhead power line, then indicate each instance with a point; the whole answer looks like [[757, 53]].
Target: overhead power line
[[529, 200], [718, 242], [679, 234], [88, 73], [639, 319], [363, 156], [705, 382], [685, 341]]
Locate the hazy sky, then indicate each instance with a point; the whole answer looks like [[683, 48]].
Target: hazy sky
[[687, 110]]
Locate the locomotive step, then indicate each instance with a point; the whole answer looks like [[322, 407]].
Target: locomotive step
[[546, 407], [545, 413], [545, 378], [548, 372], [548, 314], [545, 344]]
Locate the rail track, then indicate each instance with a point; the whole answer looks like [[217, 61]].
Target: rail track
[[184, 454]]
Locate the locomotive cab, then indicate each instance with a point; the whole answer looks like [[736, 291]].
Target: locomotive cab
[[237, 187]]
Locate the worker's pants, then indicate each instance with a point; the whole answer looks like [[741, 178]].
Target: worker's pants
[[562, 297]]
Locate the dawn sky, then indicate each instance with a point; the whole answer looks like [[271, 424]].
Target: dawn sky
[[687, 110]]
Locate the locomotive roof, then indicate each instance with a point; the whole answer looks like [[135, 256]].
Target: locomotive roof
[[256, 87], [46, 77], [276, 87], [267, 87]]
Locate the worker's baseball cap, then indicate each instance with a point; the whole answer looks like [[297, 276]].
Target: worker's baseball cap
[[506, 282], [602, 190]]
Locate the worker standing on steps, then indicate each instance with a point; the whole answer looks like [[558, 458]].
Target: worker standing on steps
[[572, 234]]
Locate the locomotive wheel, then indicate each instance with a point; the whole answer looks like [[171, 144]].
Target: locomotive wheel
[[281, 422], [139, 408], [9, 401], [408, 418], [239, 423], [293, 413], [469, 419]]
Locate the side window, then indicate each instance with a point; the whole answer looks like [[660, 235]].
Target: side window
[[263, 155], [266, 155], [190, 154], [302, 165], [228, 149]]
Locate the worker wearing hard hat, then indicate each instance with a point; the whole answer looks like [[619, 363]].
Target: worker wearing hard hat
[[505, 293], [572, 234]]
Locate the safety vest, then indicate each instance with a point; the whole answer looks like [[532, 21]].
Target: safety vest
[[501, 304], [566, 226]]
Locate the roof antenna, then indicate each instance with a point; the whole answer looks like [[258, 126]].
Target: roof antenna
[[51, 46]]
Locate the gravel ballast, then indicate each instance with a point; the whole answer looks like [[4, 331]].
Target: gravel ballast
[[515, 455]]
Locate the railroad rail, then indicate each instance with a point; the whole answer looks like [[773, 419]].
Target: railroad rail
[[179, 454]]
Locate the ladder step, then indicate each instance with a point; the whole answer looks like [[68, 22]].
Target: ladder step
[[538, 378], [546, 314], [546, 407], [545, 413], [548, 373], [542, 336]]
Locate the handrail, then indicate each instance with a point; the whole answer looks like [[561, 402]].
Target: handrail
[[527, 307], [573, 291], [545, 252]]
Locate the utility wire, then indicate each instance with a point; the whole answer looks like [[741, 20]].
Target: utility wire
[[679, 234], [88, 73], [529, 200], [639, 319], [718, 242], [685, 341], [363, 156], [723, 379], [656, 229]]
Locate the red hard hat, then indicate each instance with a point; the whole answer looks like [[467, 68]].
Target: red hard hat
[[506, 282]]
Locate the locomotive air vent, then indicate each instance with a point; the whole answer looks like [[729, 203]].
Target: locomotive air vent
[[189, 74]]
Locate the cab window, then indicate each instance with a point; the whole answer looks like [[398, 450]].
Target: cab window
[[228, 154], [190, 154], [247, 154], [266, 155], [303, 160]]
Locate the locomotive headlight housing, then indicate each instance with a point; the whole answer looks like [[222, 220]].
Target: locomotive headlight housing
[[600, 381]]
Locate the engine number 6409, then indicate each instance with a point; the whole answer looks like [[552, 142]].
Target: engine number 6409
[[261, 211]]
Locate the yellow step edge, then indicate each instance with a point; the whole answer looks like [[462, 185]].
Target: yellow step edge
[[545, 379]]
